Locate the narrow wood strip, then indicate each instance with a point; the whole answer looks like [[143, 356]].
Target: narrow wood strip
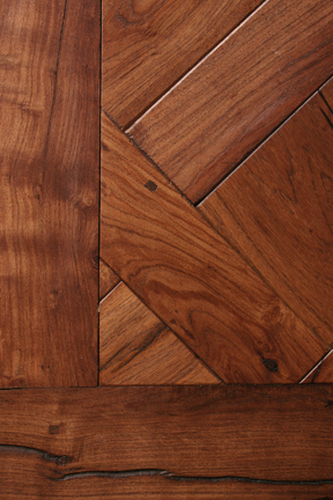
[[148, 46], [136, 348], [63, 436], [277, 211], [200, 130], [49, 133], [195, 282], [322, 373], [107, 279]]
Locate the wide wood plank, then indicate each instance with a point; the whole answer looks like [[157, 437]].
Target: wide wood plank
[[259, 75], [276, 209], [49, 188], [107, 279], [148, 46], [322, 373], [257, 442], [166, 252], [136, 348]]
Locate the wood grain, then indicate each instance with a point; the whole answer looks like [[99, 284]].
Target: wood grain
[[322, 373], [149, 45], [257, 77], [58, 442], [107, 279], [136, 348], [276, 210], [49, 192], [191, 278], [26, 479], [327, 94]]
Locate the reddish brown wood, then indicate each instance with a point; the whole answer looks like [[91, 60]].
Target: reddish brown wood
[[54, 443], [200, 130], [148, 45], [327, 94], [277, 211], [107, 279], [195, 282], [49, 192], [136, 348], [322, 373]]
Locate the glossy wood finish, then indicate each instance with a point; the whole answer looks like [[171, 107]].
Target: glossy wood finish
[[259, 75], [107, 279], [322, 373], [149, 45], [195, 282], [49, 192], [277, 211], [136, 348], [58, 441]]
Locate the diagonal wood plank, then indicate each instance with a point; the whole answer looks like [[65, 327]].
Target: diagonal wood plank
[[276, 209], [223, 108], [149, 45], [136, 348], [327, 94], [322, 373], [56, 442], [49, 192], [191, 278], [107, 279]]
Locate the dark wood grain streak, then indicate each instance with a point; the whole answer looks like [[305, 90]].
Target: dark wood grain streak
[[49, 188], [255, 79], [107, 279], [149, 45], [277, 210], [136, 348], [322, 373], [108, 436], [191, 278]]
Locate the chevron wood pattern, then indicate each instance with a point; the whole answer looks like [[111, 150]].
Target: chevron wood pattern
[[166, 176], [136, 348]]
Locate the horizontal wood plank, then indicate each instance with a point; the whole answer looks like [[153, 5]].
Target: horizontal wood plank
[[255, 79], [276, 209], [148, 46], [166, 252], [166, 441], [49, 132], [136, 348]]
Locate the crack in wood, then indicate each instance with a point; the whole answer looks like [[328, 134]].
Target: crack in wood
[[50, 457], [175, 477]]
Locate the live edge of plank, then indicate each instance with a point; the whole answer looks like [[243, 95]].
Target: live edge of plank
[[249, 439], [49, 78], [191, 278], [254, 80]]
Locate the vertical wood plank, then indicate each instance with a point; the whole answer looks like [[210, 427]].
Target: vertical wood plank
[[49, 127]]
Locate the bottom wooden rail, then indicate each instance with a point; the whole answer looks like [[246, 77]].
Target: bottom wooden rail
[[202, 442]]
